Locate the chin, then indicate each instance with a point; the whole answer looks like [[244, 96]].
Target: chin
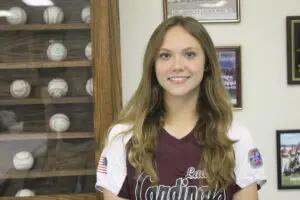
[[178, 93], [182, 93]]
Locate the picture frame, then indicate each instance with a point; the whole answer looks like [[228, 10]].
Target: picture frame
[[288, 158], [293, 49], [205, 11], [229, 58]]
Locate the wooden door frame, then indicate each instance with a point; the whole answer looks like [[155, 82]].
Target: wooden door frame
[[106, 64]]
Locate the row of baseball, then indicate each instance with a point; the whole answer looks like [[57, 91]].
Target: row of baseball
[[57, 51], [58, 123], [51, 15], [56, 88]]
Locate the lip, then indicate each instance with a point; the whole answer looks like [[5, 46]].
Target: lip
[[178, 79]]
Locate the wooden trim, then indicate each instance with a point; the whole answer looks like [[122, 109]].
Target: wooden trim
[[44, 136], [40, 174], [115, 43], [44, 27], [33, 101], [57, 197], [102, 69], [107, 67], [45, 64]]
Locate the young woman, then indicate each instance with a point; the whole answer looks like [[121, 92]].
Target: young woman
[[175, 139]]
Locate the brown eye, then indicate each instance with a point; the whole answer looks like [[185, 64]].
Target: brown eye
[[164, 56], [190, 54]]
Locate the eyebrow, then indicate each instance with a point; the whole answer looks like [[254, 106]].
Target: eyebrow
[[185, 49]]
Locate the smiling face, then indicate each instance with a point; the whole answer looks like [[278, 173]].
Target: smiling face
[[180, 63]]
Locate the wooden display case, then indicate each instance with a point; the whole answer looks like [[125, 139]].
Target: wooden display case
[[51, 123]]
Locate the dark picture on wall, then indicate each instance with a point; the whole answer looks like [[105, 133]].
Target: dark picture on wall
[[229, 58], [293, 49], [206, 11], [288, 159]]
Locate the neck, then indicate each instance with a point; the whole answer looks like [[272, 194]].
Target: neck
[[181, 110]]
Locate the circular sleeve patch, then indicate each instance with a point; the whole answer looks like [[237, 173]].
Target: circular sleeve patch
[[255, 158]]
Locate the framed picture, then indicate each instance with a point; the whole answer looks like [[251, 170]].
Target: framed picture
[[206, 11], [229, 58], [293, 49], [288, 159]]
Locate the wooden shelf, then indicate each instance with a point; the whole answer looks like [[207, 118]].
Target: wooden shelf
[[38, 174], [87, 196], [36, 136], [45, 64], [29, 101], [44, 27]]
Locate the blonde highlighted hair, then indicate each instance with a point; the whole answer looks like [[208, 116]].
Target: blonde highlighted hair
[[145, 111]]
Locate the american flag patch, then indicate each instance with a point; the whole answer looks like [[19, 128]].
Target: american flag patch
[[102, 167]]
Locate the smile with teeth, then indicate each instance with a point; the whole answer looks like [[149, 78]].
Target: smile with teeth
[[178, 79]]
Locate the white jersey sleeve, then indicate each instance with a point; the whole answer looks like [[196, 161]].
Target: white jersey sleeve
[[249, 167], [111, 170]]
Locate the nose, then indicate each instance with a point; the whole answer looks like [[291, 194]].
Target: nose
[[177, 64]]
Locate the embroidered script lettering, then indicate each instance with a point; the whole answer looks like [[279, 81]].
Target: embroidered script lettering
[[180, 191]]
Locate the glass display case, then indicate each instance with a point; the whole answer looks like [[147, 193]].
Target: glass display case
[[53, 111]]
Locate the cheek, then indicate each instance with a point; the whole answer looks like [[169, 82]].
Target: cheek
[[157, 73], [197, 68], [198, 71], [160, 70]]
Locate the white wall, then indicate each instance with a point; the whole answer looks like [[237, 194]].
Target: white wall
[[268, 102]]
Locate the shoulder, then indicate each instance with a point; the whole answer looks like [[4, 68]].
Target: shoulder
[[112, 171], [241, 135], [239, 132], [118, 129], [248, 160], [118, 136], [244, 141]]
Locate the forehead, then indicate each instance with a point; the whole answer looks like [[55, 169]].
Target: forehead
[[178, 37]]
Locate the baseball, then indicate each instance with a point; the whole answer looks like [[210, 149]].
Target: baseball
[[86, 15], [57, 51], [88, 51], [59, 122], [57, 87], [23, 161], [25, 193], [89, 86], [53, 15], [18, 16], [20, 89]]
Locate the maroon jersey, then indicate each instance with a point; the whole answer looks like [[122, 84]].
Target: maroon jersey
[[177, 161]]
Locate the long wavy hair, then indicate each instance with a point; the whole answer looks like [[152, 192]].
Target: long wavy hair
[[145, 111]]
